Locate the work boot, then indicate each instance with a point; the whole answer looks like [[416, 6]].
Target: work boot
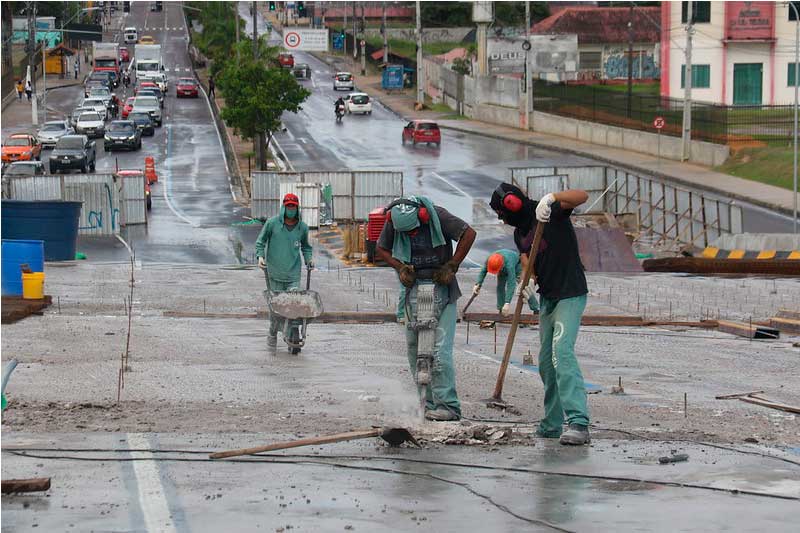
[[272, 341], [576, 435], [441, 414]]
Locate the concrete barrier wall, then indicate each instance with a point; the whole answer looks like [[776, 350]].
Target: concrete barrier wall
[[429, 35], [504, 116], [703, 153]]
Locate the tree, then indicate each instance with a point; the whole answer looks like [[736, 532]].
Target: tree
[[513, 13], [446, 13], [256, 96]]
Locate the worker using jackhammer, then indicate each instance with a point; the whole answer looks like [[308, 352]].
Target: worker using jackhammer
[[505, 264], [563, 290], [417, 242], [278, 247]]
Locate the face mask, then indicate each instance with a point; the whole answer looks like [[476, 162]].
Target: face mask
[[291, 212]]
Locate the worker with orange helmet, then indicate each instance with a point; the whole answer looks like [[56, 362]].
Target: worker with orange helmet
[[505, 264]]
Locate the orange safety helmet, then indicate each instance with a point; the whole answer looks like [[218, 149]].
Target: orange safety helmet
[[494, 264]]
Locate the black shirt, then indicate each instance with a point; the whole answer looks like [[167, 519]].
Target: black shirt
[[559, 270], [424, 256]]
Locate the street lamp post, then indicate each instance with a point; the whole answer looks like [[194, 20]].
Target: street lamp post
[[796, 85]]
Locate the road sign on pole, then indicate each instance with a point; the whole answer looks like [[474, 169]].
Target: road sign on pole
[[658, 123]]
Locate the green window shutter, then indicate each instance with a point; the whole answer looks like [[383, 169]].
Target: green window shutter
[[701, 76], [683, 76], [791, 74]]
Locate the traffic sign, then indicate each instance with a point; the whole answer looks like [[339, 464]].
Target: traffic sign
[[658, 123], [292, 39]]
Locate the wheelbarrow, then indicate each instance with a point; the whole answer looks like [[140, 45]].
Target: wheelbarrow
[[297, 308]]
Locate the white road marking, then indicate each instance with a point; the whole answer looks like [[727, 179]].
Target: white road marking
[[302, 140], [450, 183], [290, 134], [130, 251], [168, 181], [152, 500], [187, 70]]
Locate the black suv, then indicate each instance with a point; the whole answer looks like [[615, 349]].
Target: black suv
[[122, 134], [143, 121], [73, 152]]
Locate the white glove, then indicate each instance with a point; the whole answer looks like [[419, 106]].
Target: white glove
[[310, 265], [528, 291], [262, 264], [476, 290], [506, 310], [543, 207]]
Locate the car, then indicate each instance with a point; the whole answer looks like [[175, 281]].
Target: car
[[143, 121], [52, 131], [131, 35], [124, 54], [156, 6], [73, 118], [21, 147], [91, 124], [422, 131], [99, 78], [343, 80], [135, 173], [103, 94], [152, 91], [24, 168], [122, 134], [186, 87], [358, 103], [161, 81], [286, 59], [73, 152], [147, 39], [149, 104], [127, 107], [98, 105], [302, 71]]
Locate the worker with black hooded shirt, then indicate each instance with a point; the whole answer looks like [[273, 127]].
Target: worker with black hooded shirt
[[563, 290]]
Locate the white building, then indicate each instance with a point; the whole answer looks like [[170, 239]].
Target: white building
[[742, 52]]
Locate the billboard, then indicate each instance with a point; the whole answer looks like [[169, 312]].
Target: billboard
[[548, 53], [749, 20], [306, 39]]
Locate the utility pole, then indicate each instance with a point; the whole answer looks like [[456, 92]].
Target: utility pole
[[355, 32], [344, 28], [44, 81], [793, 6], [385, 37], [259, 140], [420, 74], [255, 31], [363, 34], [630, 57], [686, 137], [30, 9], [528, 73]]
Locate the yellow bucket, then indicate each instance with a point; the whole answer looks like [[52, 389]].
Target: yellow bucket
[[33, 285]]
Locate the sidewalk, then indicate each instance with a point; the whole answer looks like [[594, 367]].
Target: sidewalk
[[17, 113], [690, 175]]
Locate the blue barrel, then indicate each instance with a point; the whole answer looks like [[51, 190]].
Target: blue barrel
[[16, 253], [53, 221]]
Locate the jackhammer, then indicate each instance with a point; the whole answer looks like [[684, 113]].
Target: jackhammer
[[424, 323]]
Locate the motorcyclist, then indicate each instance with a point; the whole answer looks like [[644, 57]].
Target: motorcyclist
[[338, 107]]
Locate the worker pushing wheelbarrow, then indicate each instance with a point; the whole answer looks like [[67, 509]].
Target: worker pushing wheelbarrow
[[283, 239]]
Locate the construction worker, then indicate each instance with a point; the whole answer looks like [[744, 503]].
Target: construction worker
[[563, 290], [281, 241], [417, 242], [504, 264]]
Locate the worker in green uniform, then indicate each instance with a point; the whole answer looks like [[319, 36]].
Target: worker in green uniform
[[563, 290], [278, 248], [417, 242], [505, 264]]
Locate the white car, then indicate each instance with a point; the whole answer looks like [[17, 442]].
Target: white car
[[101, 93], [98, 105], [91, 124], [358, 103], [52, 131], [149, 104], [343, 80], [161, 80], [131, 35]]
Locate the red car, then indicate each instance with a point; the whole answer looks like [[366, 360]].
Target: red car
[[128, 106], [422, 131], [286, 60], [186, 87], [124, 55], [145, 85]]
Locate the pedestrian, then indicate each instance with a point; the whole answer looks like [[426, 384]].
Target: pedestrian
[[76, 66], [211, 85], [282, 240], [506, 265], [20, 89], [86, 55], [563, 290], [417, 242], [28, 89]]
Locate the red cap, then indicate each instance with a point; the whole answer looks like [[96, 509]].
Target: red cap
[[291, 199]]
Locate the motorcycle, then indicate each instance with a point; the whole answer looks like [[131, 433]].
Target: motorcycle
[[339, 113]]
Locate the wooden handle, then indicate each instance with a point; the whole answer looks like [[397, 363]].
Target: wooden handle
[[526, 278], [311, 441]]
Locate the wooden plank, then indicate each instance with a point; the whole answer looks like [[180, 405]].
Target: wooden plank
[[586, 320], [788, 313], [757, 400], [37, 484], [750, 331], [332, 317], [787, 325]]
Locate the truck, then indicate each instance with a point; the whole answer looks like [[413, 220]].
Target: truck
[[106, 58], [148, 61]]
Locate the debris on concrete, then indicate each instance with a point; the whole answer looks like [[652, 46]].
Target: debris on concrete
[[674, 458]]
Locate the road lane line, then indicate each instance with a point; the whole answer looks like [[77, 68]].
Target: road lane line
[[451, 184], [168, 180], [152, 499]]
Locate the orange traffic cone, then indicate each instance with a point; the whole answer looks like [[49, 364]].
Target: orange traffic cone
[[150, 170]]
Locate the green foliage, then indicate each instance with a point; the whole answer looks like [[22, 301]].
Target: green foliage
[[446, 14], [219, 21], [256, 94], [462, 66]]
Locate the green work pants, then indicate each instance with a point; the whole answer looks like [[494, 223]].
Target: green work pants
[[564, 389], [275, 322], [442, 391]]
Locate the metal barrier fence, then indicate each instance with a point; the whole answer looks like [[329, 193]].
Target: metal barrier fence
[[108, 203], [667, 213], [355, 193], [710, 122]]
